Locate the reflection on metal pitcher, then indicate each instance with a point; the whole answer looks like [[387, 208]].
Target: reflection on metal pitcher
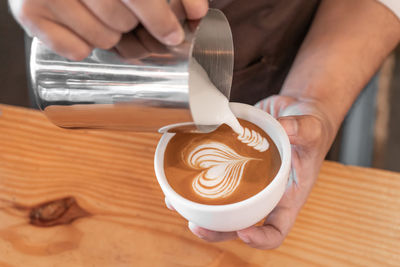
[[139, 85]]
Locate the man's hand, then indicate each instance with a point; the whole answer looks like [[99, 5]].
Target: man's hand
[[337, 59], [72, 28], [311, 134]]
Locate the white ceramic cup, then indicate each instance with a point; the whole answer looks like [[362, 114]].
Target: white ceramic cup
[[239, 215]]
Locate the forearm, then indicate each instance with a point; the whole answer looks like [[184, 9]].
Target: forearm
[[348, 41]]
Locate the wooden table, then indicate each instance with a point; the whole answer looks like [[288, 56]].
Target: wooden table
[[90, 198]]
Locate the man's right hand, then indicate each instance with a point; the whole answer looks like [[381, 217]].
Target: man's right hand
[[72, 28]]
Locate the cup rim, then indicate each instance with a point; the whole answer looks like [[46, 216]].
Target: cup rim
[[285, 166]]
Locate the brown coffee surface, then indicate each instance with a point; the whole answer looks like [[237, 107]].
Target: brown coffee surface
[[258, 172]]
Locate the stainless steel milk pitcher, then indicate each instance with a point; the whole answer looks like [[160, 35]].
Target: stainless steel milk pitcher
[[140, 85]]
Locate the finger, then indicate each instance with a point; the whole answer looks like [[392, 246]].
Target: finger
[[130, 47], [168, 204], [158, 19], [27, 14], [275, 105], [211, 236], [113, 13], [80, 20], [178, 9], [195, 9], [262, 237], [274, 230], [149, 42], [60, 39], [302, 130]]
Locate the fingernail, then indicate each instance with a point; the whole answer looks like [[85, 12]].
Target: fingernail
[[245, 239], [195, 229], [174, 38], [290, 125]]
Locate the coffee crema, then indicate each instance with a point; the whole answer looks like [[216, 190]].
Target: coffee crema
[[218, 168]]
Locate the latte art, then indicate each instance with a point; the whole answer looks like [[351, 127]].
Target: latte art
[[253, 139], [217, 168], [221, 169]]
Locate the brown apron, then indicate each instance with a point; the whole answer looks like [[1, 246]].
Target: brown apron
[[266, 35]]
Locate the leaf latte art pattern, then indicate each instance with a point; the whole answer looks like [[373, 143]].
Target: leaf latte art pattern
[[221, 169], [253, 139]]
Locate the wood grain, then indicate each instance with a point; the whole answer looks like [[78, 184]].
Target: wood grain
[[101, 188]]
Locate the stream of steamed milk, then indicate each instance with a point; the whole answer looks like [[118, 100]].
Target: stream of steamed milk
[[210, 107]]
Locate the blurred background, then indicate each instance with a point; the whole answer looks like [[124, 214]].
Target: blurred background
[[368, 137]]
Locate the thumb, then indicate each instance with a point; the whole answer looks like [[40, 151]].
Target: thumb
[[301, 129]]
